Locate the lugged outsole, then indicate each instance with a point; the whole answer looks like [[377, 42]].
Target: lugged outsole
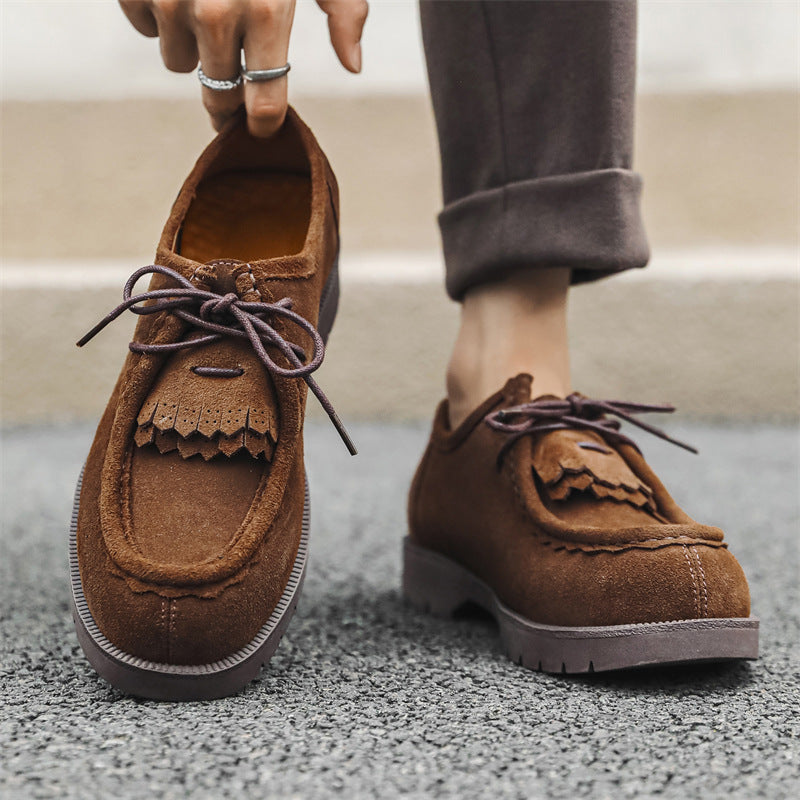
[[440, 586], [174, 682]]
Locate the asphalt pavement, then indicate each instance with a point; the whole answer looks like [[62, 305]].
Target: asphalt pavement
[[367, 698]]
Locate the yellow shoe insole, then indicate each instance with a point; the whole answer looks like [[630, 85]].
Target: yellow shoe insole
[[247, 216]]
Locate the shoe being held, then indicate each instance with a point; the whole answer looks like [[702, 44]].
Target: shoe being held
[[544, 514], [190, 526]]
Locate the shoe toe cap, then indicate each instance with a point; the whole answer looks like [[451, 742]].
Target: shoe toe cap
[[179, 630], [638, 585]]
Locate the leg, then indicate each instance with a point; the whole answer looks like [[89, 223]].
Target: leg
[[534, 108], [540, 509], [513, 325]]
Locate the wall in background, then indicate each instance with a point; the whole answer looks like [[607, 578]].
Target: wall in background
[[87, 50], [87, 185]]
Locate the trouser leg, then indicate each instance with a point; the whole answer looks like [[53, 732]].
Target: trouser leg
[[534, 106]]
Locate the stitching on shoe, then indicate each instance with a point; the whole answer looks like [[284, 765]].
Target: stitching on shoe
[[694, 580], [704, 590], [253, 281], [164, 625], [171, 633], [125, 502], [646, 544]]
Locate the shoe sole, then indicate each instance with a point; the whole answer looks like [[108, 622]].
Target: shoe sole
[[177, 682], [155, 681], [440, 586]]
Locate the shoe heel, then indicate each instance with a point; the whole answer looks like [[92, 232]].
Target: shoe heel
[[432, 583]]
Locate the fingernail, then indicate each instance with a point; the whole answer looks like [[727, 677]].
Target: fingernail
[[355, 57]]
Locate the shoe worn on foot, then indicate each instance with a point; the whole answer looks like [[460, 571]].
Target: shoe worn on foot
[[190, 524], [545, 515]]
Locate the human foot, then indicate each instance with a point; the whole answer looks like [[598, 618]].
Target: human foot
[[542, 513]]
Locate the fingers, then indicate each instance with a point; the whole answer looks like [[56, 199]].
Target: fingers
[[346, 20], [178, 44], [266, 46], [214, 31], [140, 16], [219, 45]]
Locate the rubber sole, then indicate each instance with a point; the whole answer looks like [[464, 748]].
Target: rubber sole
[[440, 586], [155, 681]]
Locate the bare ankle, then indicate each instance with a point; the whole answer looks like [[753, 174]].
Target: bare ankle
[[516, 325]]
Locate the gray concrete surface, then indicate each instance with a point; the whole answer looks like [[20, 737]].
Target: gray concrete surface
[[366, 698], [650, 335]]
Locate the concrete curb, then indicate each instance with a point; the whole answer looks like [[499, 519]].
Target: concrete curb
[[715, 332]]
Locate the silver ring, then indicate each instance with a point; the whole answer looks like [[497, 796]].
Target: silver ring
[[259, 75], [217, 85]]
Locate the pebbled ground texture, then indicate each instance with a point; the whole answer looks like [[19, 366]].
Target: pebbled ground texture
[[367, 698]]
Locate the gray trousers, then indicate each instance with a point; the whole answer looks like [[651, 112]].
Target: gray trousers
[[534, 104]]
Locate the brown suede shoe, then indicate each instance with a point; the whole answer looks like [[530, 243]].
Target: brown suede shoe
[[190, 526], [545, 515]]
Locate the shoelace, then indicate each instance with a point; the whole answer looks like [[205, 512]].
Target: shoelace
[[208, 311], [576, 411]]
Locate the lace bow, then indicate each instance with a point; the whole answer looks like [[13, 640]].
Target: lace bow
[[576, 411], [219, 316]]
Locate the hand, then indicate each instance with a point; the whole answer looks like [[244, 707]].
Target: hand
[[215, 31]]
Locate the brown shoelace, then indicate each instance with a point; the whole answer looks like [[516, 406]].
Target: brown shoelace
[[226, 315], [576, 411]]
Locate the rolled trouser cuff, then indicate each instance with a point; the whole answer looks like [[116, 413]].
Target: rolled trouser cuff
[[587, 221]]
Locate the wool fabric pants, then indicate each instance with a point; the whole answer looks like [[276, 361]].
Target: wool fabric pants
[[534, 103]]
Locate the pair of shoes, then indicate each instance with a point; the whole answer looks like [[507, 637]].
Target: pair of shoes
[[190, 525]]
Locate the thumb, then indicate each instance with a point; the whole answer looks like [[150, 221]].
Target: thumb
[[346, 20]]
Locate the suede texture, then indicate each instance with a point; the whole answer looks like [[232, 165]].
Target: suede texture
[[187, 535], [612, 549], [185, 410]]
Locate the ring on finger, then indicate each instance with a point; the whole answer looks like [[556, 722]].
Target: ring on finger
[[262, 75], [218, 85]]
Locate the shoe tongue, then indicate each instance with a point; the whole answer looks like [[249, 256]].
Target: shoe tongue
[[224, 275], [517, 390], [215, 399], [585, 480], [580, 470]]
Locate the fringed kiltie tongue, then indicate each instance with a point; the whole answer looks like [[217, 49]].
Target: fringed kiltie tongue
[[575, 454], [571, 461], [183, 412]]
